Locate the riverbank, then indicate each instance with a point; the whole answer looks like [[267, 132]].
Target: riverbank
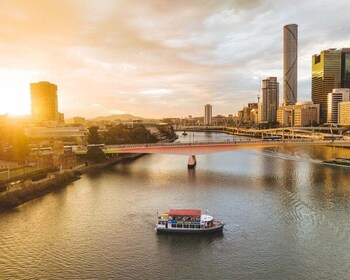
[[31, 190], [28, 190]]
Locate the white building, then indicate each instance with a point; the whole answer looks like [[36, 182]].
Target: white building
[[333, 99]]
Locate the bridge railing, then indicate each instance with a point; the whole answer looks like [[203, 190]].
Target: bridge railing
[[213, 142]]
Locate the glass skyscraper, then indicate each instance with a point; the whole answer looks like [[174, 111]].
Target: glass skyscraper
[[270, 100], [345, 68], [290, 64], [325, 77]]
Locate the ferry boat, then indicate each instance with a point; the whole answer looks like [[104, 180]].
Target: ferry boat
[[187, 221]]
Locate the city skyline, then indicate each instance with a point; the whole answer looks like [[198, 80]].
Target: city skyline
[[157, 59]]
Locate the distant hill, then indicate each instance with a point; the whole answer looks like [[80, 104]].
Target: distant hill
[[122, 117]]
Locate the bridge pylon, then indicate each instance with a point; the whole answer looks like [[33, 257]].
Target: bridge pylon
[[192, 161]]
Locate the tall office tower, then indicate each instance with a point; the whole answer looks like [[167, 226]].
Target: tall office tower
[[345, 68], [207, 114], [334, 98], [44, 102], [325, 77], [270, 100], [290, 64]]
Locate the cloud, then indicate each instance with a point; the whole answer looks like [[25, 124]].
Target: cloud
[[161, 58]]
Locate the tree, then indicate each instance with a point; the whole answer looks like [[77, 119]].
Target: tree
[[96, 155], [141, 135], [94, 137], [20, 146]]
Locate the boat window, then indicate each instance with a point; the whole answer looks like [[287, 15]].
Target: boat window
[[173, 225]]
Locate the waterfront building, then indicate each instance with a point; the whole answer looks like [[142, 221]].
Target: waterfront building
[[301, 114], [254, 115], [326, 76], [76, 135], [345, 68], [334, 98], [60, 119], [344, 113], [208, 114], [270, 100], [44, 102], [259, 112], [290, 64]]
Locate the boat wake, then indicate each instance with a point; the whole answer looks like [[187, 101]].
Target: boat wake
[[286, 156]]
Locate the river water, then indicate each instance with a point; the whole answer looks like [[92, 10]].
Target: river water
[[286, 214]]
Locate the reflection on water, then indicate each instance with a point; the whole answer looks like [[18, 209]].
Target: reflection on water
[[286, 215]]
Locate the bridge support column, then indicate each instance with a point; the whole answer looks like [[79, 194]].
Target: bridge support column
[[192, 161]]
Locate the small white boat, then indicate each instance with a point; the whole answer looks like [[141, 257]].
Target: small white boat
[[187, 221]]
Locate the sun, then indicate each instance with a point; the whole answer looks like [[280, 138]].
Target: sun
[[15, 98]]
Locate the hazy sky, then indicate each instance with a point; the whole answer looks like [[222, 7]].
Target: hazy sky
[[158, 58]]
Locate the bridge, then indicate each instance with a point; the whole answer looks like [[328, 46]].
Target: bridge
[[285, 132], [192, 149]]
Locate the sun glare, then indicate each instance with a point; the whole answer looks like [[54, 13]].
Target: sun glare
[[15, 98]]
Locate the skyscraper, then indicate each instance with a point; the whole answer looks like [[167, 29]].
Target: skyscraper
[[345, 68], [290, 64], [207, 114], [44, 102], [326, 76], [270, 100]]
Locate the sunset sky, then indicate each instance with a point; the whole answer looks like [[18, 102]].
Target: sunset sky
[[158, 58]]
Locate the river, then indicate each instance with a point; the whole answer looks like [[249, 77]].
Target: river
[[286, 214]]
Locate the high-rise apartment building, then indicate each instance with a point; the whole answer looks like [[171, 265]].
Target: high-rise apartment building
[[270, 100], [345, 68], [44, 102], [326, 76], [208, 114], [290, 64], [334, 98]]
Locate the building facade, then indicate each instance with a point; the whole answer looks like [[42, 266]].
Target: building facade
[[326, 76], [345, 68], [290, 64], [208, 113], [334, 98], [344, 113], [299, 115], [44, 105], [270, 100]]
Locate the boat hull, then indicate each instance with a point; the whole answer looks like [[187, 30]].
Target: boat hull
[[217, 228]]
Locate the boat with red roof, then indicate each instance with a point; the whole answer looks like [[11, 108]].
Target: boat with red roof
[[187, 221]]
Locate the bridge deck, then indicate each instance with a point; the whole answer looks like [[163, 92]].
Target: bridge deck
[[206, 147]]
